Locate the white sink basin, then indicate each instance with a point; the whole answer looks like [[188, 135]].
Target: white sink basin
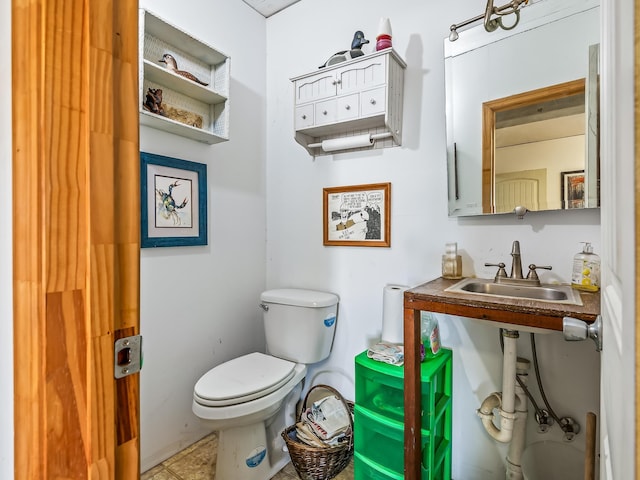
[[485, 287]]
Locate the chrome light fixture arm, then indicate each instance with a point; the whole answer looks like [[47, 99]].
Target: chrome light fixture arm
[[491, 24]]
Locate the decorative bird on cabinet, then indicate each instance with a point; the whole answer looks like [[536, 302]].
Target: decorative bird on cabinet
[[172, 65], [356, 50]]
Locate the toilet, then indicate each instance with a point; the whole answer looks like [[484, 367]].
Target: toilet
[[251, 399]]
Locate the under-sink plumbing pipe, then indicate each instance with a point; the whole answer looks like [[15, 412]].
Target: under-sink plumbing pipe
[[518, 439], [511, 404], [504, 401]]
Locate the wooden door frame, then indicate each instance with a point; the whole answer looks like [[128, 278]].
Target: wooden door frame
[[75, 236], [636, 99], [492, 108]]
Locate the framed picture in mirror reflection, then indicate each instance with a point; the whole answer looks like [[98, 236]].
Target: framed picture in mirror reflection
[[572, 189]]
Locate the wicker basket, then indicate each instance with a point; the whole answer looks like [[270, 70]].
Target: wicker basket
[[319, 463]]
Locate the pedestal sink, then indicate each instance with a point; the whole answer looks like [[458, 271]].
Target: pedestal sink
[[562, 294]]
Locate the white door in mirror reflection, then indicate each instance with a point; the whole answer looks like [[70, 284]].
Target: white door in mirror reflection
[[511, 192]]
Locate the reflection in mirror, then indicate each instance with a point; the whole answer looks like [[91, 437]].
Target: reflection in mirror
[[551, 61], [528, 141]]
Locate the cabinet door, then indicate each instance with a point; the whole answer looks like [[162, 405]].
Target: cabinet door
[[348, 107], [373, 102], [361, 75], [304, 116], [315, 87]]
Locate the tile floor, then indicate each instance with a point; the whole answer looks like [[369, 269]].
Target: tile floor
[[197, 462]]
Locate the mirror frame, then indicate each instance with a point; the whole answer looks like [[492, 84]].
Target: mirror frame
[[489, 111]]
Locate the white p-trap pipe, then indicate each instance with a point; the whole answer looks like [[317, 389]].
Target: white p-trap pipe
[[505, 402]]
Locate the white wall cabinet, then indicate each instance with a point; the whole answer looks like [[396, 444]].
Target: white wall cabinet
[[356, 97], [189, 109]]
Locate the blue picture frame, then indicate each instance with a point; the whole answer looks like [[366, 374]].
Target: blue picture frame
[[173, 199]]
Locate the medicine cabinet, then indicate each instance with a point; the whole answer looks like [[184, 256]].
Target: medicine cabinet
[[503, 151]]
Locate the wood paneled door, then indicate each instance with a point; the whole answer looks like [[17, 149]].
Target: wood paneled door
[[76, 236]]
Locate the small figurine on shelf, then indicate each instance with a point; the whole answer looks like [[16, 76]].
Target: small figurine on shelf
[[153, 101], [356, 50], [383, 40], [172, 65]]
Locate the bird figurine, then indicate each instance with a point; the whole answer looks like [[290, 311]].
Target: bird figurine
[[356, 50], [153, 101], [172, 65]]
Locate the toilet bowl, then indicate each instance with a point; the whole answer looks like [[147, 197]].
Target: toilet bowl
[[249, 400], [246, 399], [549, 460]]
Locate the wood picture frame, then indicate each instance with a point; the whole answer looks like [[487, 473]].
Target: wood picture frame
[[357, 216], [173, 200], [572, 189]]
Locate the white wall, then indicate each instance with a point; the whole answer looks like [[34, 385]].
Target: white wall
[[6, 277], [199, 305], [420, 225]]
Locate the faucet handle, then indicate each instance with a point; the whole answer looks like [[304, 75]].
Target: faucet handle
[[533, 275], [502, 273]]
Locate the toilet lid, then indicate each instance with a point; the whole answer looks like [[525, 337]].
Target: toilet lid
[[243, 379]]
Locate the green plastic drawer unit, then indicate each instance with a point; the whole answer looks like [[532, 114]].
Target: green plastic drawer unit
[[380, 387], [442, 466], [381, 440], [365, 469]]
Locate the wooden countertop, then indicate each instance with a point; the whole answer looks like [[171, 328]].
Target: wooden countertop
[[431, 296]]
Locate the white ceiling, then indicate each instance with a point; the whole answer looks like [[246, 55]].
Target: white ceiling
[[268, 7], [550, 129]]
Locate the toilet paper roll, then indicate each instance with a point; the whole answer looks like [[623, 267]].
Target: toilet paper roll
[[393, 314], [343, 143]]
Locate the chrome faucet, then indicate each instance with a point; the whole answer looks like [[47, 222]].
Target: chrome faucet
[[516, 262], [516, 277]]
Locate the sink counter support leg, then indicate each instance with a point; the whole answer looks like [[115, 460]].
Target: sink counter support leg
[[412, 407]]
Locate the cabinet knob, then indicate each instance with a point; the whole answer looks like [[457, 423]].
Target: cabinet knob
[[304, 117], [324, 112], [372, 101], [348, 107]]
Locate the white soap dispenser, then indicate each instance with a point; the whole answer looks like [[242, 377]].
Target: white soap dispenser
[[586, 270]]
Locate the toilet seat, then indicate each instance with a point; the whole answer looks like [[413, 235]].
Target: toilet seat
[[243, 379]]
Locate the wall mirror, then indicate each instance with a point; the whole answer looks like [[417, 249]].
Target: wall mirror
[[522, 112]]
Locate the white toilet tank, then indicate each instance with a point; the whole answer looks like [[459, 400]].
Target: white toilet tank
[[299, 324]]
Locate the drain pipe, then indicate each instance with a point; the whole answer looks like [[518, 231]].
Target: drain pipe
[[518, 439], [505, 401], [511, 404]]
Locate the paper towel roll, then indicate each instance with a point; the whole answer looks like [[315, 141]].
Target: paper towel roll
[[356, 141], [393, 314]]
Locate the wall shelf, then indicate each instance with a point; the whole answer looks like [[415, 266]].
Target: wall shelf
[[363, 96], [191, 110]]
